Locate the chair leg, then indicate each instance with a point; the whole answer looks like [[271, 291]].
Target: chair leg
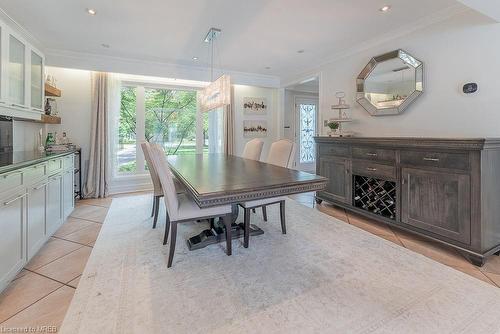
[[264, 213], [282, 216], [157, 209], [154, 205], [167, 229], [227, 219], [246, 224], [212, 223], [173, 236], [253, 210]]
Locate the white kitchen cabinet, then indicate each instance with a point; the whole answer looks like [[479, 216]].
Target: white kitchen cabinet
[[54, 203], [36, 229], [34, 202], [22, 75], [68, 192], [13, 227], [37, 80], [17, 72]]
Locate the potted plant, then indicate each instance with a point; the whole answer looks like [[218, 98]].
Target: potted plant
[[334, 126]]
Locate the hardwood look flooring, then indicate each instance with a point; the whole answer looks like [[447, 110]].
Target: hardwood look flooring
[[41, 293]]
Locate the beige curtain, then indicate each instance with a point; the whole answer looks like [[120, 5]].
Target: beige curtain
[[97, 181], [228, 134]]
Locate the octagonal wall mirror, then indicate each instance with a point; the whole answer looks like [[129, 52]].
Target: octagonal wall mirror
[[389, 83]]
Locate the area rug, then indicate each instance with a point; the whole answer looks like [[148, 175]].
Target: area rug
[[323, 276]]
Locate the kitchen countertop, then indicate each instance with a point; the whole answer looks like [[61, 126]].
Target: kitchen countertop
[[20, 159]]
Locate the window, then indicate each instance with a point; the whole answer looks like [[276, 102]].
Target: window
[[307, 120], [166, 116], [127, 143], [171, 119]]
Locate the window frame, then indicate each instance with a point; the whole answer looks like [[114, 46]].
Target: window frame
[[140, 179]]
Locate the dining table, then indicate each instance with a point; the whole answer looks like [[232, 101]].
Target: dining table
[[218, 179]]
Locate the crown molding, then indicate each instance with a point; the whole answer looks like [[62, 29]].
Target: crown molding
[[14, 25], [422, 23], [106, 63]]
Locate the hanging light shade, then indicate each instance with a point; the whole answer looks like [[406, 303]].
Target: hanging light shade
[[216, 95]]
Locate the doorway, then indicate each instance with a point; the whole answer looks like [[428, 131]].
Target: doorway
[[301, 121]]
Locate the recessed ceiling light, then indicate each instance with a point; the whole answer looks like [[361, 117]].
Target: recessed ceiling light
[[385, 9], [301, 51], [104, 45], [91, 11], [195, 58]]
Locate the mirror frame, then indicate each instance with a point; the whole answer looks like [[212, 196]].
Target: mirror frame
[[407, 59]]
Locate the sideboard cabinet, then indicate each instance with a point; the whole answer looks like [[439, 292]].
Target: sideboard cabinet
[[447, 190]]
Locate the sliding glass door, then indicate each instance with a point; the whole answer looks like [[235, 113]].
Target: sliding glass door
[[167, 116]]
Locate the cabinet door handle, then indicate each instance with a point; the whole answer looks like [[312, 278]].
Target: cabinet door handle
[[371, 154], [18, 105], [431, 159], [371, 169], [7, 175], [40, 186], [14, 199]]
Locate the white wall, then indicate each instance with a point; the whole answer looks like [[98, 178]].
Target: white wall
[[271, 94], [74, 108], [462, 49]]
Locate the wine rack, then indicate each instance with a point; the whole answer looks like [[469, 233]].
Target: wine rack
[[375, 195]]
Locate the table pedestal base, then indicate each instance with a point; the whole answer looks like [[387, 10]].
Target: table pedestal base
[[217, 234]]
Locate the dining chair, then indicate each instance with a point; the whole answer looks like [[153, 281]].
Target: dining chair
[[253, 149], [280, 154], [181, 208], [157, 189]]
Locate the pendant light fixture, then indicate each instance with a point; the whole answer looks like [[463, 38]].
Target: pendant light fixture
[[218, 93]]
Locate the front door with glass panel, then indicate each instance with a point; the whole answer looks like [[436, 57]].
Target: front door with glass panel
[[305, 130]]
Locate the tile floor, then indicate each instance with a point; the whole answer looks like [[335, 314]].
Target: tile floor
[[42, 292]]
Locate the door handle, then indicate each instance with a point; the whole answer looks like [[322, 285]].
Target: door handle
[[14, 199], [40, 186]]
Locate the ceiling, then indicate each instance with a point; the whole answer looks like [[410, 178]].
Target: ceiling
[[310, 85], [255, 34]]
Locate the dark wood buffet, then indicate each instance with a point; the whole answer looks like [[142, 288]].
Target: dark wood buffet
[[443, 189]]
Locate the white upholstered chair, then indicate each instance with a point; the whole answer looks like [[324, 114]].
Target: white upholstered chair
[[157, 189], [253, 149], [181, 208], [281, 154]]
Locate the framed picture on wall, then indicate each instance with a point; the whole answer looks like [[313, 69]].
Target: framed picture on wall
[[255, 105], [254, 129]]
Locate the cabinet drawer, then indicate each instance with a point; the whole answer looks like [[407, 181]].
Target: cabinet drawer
[[368, 153], [34, 173], [368, 168], [338, 150], [68, 162], [10, 180], [435, 159], [54, 165]]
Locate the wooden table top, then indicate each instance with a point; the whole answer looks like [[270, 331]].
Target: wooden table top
[[217, 179]]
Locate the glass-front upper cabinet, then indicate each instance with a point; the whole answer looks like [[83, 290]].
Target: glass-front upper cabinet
[[17, 68], [36, 80]]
